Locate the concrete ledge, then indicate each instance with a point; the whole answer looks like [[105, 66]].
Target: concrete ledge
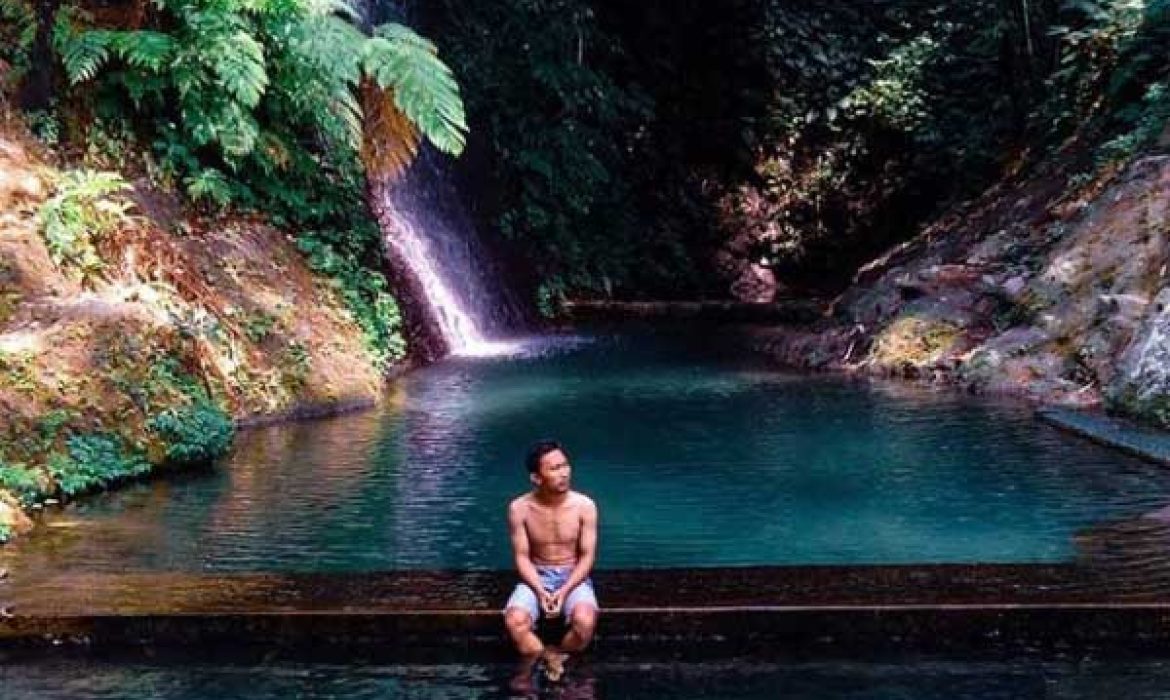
[[391, 615], [784, 311], [1129, 437]]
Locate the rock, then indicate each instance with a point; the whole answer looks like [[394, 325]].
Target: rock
[[12, 515], [755, 283], [1142, 384], [1015, 286]]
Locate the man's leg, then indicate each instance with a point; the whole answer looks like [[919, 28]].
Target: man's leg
[[519, 624], [582, 623], [581, 608], [520, 614]]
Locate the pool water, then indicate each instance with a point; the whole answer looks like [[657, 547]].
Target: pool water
[[696, 457], [900, 679]]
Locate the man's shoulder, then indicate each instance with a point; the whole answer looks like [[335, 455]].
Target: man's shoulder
[[520, 502], [583, 501]]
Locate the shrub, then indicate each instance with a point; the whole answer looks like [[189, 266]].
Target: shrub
[[85, 208], [194, 434], [21, 482], [95, 461]]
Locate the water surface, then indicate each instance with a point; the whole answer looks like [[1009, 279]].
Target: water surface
[[695, 458], [904, 679]]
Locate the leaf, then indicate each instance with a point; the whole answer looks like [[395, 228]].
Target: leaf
[[390, 140], [424, 87]]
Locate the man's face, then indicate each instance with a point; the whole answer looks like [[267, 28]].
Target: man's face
[[554, 472]]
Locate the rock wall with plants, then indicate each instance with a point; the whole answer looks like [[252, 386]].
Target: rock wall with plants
[[135, 335]]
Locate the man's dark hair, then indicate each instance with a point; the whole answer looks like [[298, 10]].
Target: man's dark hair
[[538, 450]]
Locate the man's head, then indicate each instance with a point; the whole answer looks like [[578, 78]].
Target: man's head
[[548, 466]]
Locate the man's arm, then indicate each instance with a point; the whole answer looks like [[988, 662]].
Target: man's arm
[[586, 551], [519, 537]]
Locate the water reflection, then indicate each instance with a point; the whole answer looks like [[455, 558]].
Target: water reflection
[[1133, 553], [908, 678]]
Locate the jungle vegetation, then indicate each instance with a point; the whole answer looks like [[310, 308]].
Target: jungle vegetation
[[615, 148]]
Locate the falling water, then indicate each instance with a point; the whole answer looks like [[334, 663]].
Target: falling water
[[425, 226]]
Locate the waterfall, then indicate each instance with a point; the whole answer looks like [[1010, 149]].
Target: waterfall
[[427, 230]]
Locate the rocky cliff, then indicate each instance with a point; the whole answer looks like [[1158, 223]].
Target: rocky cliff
[[1046, 286]]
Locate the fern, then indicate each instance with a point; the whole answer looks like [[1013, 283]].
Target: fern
[[424, 87], [235, 77], [86, 207], [209, 185], [240, 68], [82, 52], [391, 141], [143, 50]]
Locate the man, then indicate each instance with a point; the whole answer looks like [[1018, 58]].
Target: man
[[554, 541]]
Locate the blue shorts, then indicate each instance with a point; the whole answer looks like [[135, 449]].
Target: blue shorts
[[552, 578]]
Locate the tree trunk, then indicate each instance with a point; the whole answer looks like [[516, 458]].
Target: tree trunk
[[37, 91]]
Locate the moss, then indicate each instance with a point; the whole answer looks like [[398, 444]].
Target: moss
[[1153, 409], [914, 341]]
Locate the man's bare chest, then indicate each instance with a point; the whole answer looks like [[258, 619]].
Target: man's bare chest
[[553, 527]]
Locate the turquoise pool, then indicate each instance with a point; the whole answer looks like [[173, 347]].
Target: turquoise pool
[[696, 457]]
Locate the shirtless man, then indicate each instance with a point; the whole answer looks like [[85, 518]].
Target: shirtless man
[[554, 539]]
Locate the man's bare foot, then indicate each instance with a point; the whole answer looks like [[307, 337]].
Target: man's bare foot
[[554, 664], [521, 683]]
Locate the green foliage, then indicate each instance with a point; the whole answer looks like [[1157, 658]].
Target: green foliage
[[84, 209], [424, 87], [365, 292], [889, 111], [562, 134], [258, 326], [235, 75], [18, 31], [895, 96], [94, 461], [194, 434], [209, 185], [1144, 123], [21, 482], [255, 104], [1112, 75], [45, 126]]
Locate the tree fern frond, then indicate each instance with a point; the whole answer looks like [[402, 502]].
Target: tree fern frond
[[333, 46], [346, 107], [423, 86], [390, 141], [209, 185], [143, 49], [236, 130], [83, 51], [345, 9], [240, 68], [401, 34]]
